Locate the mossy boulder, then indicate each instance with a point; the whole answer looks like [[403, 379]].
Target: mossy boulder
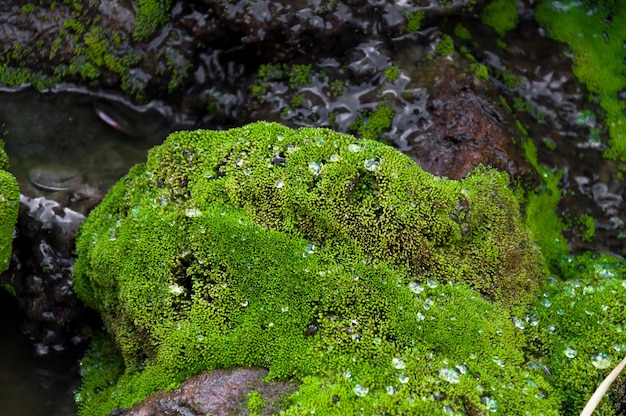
[[9, 203], [330, 260]]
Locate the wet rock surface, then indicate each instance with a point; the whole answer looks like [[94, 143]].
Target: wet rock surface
[[217, 393]]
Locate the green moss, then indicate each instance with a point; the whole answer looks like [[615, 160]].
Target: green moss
[[501, 15], [392, 73], [445, 46], [480, 71], [337, 87], [27, 9], [579, 335], [9, 203], [325, 258], [256, 403], [549, 143], [413, 21], [541, 204], [151, 14], [596, 34], [461, 32], [587, 227], [371, 126], [300, 75]]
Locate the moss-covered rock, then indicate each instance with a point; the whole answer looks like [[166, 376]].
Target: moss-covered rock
[[332, 260], [9, 203]]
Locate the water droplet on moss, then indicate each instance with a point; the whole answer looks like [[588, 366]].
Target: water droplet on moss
[[360, 390], [420, 316], [432, 284], [279, 183], [334, 157], [490, 403], [244, 303], [519, 323], [570, 352], [546, 302], [192, 212], [315, 168], [450, 375], [601, 360], [416, 288], [498, 361], [347, 374], [354, 148], [175, 289], [391, 390], [372, 164], [403, 378], [398, 363]]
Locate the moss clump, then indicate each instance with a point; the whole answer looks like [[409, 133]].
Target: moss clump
[[445, 46], [501, 15], [9, 203], [151, 14], [371, 126], [413, 21], [392, 73], [325, 258], [596, 33]]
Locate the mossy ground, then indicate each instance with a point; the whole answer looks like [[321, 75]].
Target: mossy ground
[[331, 260]]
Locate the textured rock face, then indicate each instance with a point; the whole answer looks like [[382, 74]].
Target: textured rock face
[[9, 201], [302, 251], [216, 393]]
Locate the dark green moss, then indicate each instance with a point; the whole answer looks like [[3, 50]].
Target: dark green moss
[[501, 15]]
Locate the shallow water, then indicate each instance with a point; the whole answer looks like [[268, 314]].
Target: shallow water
[[31, 385], [64, 130]]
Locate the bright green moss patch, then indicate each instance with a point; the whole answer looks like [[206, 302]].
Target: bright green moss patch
[[596, 34], [413, 21], [540, 209], [501, 15], [151, 14], [445, 46], [324, 258], [371, 126]]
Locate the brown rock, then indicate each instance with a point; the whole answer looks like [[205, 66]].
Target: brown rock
[[216, 393]]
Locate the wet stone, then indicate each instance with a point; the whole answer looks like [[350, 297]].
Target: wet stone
[[55, 178]]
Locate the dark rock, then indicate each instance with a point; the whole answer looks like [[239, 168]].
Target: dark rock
[[40, 274], [467, 128]]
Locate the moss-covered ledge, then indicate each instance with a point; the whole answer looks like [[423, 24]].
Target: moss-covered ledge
[[330, 260]]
